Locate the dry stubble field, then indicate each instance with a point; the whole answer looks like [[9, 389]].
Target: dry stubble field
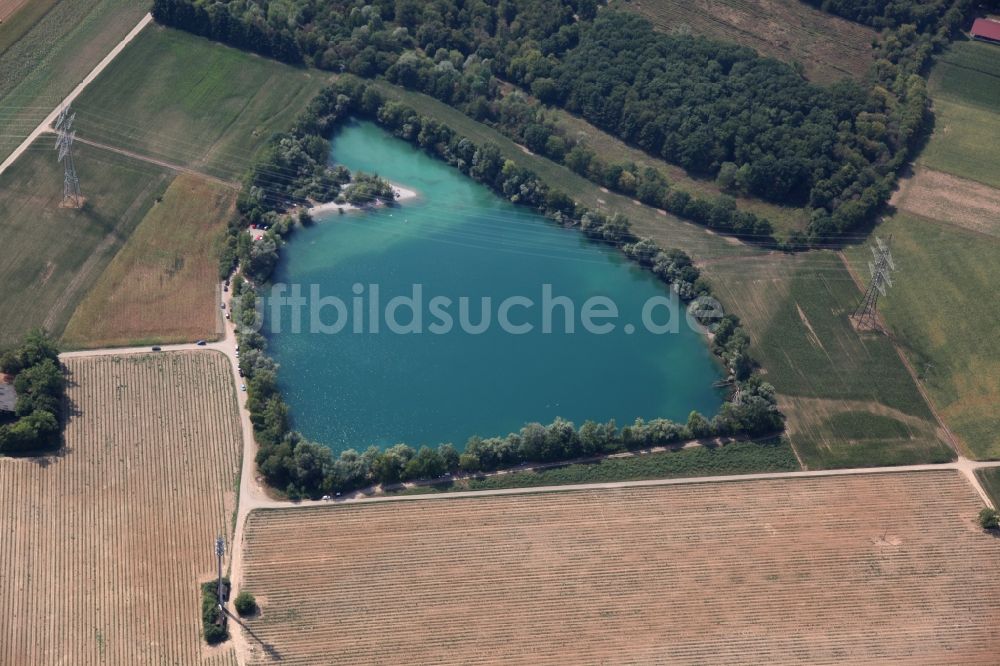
[[854, 569], [102, 547], [828, 47]]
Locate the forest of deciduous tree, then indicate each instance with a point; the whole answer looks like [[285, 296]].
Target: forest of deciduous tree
[[699, 103]]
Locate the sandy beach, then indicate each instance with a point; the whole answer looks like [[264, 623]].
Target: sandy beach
[[402, 194]]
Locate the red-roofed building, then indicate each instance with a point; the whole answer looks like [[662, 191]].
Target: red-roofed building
[[986, 30]]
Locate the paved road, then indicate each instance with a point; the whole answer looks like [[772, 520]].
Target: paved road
[[49, 119]]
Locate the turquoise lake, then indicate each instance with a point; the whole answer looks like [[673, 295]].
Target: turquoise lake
[[457, 239]]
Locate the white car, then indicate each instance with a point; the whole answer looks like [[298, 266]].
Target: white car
[[243, 387]]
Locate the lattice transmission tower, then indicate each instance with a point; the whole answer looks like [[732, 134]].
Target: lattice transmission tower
[[220, 550], [865, 316], [72, 198]]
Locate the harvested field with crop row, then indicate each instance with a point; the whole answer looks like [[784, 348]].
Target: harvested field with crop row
[[860, 569], [104, 544]]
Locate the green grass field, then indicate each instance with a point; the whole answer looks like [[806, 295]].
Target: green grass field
[[990, 478], [849, 399], [735, 458], [45, 54], [942, 310], [965, 87], [189, 101], [163, 285], [205, 105], [51, 256], [15, 26]]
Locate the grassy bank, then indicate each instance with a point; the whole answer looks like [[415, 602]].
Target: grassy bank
[[785, 219], [667, 230], [735, 458]]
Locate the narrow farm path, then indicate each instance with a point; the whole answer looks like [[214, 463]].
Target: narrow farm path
[[158, 162], [46, 124]]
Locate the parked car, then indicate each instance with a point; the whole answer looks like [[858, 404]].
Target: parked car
[[157, 349], [200, 343]]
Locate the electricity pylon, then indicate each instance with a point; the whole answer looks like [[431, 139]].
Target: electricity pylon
[[865, 315], [64, 144], [220, 550]]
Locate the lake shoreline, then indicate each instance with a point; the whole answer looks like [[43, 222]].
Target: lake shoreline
[[402, 194]]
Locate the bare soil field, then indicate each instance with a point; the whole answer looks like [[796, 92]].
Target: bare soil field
[[103, 545], [829, 48], [855, 569], [948, 198], [163, 285]]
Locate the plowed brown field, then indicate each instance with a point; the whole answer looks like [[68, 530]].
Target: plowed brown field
[[102, 547], [882, 568]]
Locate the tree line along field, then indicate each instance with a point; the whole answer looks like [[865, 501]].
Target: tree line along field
[[851, 383], [46, 48], [104, 544], [173, 96], [51, 256], [828, 48], [666, 229], [733, 458], [162, 286], [786, 219], [965, 89], [849, 569]]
